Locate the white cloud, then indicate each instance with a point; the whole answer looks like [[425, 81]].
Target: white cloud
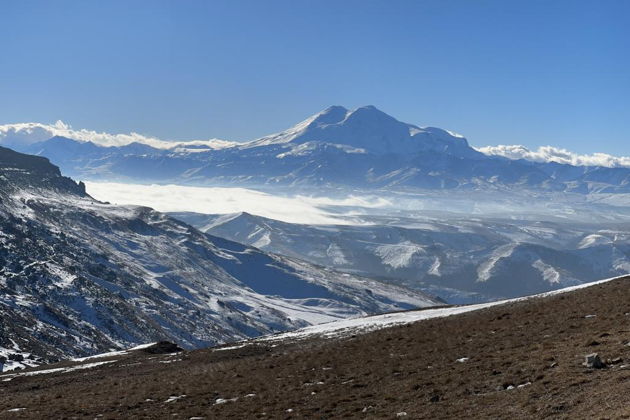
[[27, 133], [555, 154], [210, 200]]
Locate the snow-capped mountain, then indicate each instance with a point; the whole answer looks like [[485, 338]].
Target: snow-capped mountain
[[461, 259], [337, 147], [80, 276], [369, 130]]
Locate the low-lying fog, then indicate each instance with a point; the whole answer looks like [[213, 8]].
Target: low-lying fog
[[215, 200], [357, 208]]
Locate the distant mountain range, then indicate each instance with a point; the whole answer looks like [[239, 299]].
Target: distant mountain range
[[461, 259], [78, 276], [361, 148]]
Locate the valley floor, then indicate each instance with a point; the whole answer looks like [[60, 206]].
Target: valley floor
[[516, 360]]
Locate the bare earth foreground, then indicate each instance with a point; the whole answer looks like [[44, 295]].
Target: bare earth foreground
[[517, 360]]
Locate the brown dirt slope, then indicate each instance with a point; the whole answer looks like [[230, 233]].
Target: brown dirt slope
[[538, 344]]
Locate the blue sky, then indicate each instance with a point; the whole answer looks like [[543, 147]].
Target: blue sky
[[500, 72]]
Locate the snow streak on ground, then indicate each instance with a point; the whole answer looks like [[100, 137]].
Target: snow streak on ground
[[112, 353], [9, 377], [366, 324]]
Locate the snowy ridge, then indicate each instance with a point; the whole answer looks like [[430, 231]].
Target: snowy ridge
[[364, 325]]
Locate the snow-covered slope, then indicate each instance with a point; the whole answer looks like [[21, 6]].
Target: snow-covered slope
[[80, 276], [458, 258], [336, 147], [362, 325]]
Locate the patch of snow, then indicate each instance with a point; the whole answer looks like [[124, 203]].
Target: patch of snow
[[398, 255], [10, 365], [174, 398], [263, 241], [335, 252], [219, 401], [550, 274], [230, 347], [484, 272], [593, 240], [435, 267]]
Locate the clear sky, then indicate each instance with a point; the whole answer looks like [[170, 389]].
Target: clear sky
[[500, 72]]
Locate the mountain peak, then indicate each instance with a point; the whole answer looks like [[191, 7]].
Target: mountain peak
[[369, 129], [372, 115], [331, 115], [334, 108], [337, 114], [369, 110]]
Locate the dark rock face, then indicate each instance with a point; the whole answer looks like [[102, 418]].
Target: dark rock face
[[593, 361], [18, 170], [162, 347], [16, 357], [35, 164]]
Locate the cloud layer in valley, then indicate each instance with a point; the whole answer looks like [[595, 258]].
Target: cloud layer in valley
[[176, 198]]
